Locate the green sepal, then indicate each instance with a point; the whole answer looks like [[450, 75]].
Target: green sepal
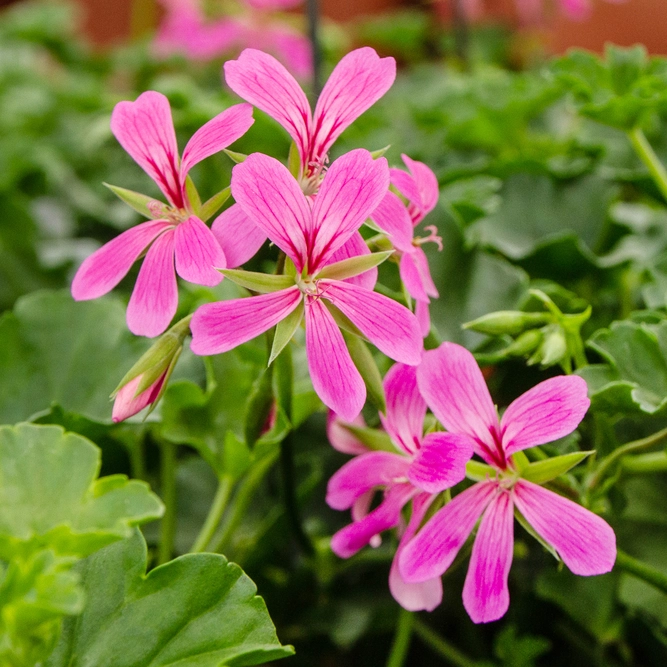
[[343, 321], [211, 207], [479, 472], [540, 472], [363, 360], [236, 157], [371, 437], [284, 375], [529, 529], [290, 268], [134, 200], [294, 160], [258, 282], [353, 266], [510, 322], [165, 382], [193, 196], [258, 406], [380, 152], [285, 330], [520, 461]]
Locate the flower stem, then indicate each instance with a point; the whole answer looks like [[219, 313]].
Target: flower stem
[[442, 647], [649, 158], [214, 515], [642, 571], [401, 643], [645, 463], [168, 492], [629, 448]]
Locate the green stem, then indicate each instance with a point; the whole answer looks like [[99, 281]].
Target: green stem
[[214, 515], [401, 643], [620, 452], [442, 647], [649, 158], [642, 571], [645, 463], [243, 497], [168, 492], [136, 451]]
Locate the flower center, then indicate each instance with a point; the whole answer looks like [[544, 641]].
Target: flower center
[[311, 181], [161, 211]]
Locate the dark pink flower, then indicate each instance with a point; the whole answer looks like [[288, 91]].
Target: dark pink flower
[[420, 189], [454, 389], [314, 235], [423, 466], [145, 130]]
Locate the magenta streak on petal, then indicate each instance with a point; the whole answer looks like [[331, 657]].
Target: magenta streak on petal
[[584, 541], [198, 253], [347, 541], [222, 326], [239, 237], [106, 267], [336, 379], [485, 593], [155, 296], [391, 327], [434, 548]]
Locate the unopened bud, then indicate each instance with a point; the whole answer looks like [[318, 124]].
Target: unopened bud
[[128, 402], [510, 322], [553, 348], [524, 344]]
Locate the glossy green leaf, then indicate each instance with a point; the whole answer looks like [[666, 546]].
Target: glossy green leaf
[[541, 472], [258, 282], [196, 610], [212, 205], [353, 266], [49, 494]]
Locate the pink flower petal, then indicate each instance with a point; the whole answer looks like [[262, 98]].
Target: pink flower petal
[[363, 473], [423, 317], [295, 51], [548, 411], [392, 217], [584, 541], [411, 278], [351, 190], [405, 184], [453, 386], [219, 327], [485, 593], [261, 80], [392, 328], [427, 185], [336, 379], [354, 247], [342, 439], [239, 237], [107, 266], [198, 253], [347, 541], [215, 135], [426, 595], [441, 461], [155, 297], [127, 404], [406, 409], [270, 196], [144, 128], [359, 80], [418, 259], [433, 550]]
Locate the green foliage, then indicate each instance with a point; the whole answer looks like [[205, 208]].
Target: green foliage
[[196, 610]]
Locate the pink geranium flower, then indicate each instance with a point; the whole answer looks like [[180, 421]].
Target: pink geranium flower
[[424, 466], [454, 389], [420, 188], [145, 130], [313, 236], [356, 83]]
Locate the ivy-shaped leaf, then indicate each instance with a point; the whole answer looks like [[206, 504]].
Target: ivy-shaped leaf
[[50, 497], [196, 611]]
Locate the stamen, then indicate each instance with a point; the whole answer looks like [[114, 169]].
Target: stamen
[[431, 238]]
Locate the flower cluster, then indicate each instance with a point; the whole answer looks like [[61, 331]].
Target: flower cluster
[[312, 212]]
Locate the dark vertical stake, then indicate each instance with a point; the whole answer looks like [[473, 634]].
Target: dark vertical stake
[[461, 33], [313, 35]]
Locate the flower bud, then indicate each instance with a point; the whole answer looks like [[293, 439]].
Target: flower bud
[[553, 349], [127, 402], [511, 322]]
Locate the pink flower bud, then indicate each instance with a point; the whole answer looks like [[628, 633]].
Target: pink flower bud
[[127, 404]]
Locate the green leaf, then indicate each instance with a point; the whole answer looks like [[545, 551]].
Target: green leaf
[[285, 330], [258, 282], [211, 207], [353, 266], [49, 495], [541, 472], [136, 200], [55, 350], [237, 457], [368, 369], [196, 610], [371, 437]]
